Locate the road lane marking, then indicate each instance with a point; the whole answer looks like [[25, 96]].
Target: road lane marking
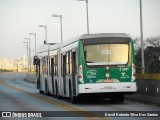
[[58, 104]]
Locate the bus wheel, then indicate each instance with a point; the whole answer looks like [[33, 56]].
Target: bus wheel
[[121, 98], [40, 91], [117, 98], [73, 99]]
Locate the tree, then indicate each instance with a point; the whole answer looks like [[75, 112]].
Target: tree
[[153, 41], [151, 54]]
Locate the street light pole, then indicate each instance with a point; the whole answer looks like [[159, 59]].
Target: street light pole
[[45, 31], [35, 42], [60, 16], [29, 54], [61, 28], [141, 28], [87, 15]]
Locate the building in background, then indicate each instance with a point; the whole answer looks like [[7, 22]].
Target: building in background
[[19, 65]]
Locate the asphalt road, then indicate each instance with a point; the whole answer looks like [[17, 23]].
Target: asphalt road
[[19, 95]]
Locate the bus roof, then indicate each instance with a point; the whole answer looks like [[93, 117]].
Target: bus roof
[[101, 35], [97, 35], [51, 46], [46, 47]]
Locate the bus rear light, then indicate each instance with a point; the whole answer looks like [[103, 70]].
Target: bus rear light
[[134, 75], [80, 77], [133, 72], [80, 74]]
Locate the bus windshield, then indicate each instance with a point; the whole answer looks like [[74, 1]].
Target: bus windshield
[[106, 54]]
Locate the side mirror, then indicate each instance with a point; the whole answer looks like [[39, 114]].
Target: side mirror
[[36, 60]]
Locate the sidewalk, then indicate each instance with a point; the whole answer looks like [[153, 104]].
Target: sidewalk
[[145, 98]]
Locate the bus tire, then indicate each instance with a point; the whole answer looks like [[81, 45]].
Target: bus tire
[[41, 92], [121, 98], [118, 98]]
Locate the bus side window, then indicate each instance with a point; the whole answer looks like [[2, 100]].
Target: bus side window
[[74, 61], [46, 65], [64, 65], [53, 65], [50, 66], [55, 61], [67, 70], [43, 65], [70, 63]]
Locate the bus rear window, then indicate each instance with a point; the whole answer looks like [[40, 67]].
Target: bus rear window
[[106, 54]]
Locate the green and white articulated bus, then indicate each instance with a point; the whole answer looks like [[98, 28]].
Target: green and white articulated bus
[[100, 65]]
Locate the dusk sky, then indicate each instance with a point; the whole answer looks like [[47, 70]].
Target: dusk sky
[[18, 18]]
